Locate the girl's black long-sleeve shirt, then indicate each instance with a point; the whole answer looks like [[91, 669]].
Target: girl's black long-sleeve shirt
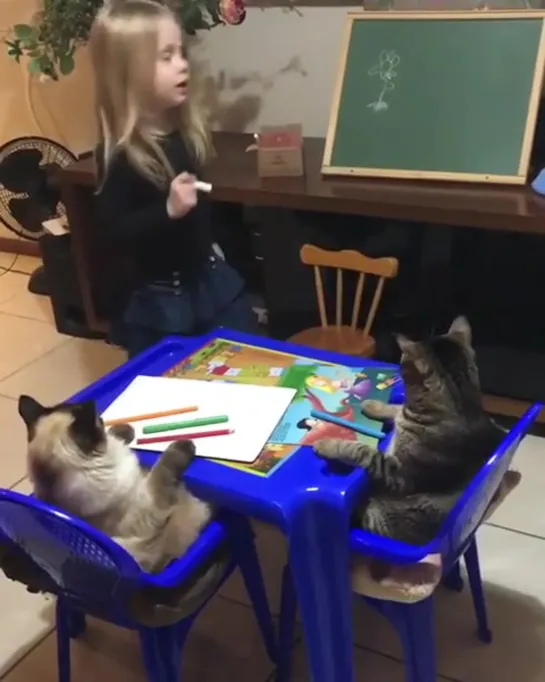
[[132, 213]]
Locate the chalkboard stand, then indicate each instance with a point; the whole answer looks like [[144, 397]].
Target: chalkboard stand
[[518, 170]]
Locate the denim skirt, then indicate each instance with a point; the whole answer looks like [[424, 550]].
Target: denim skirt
[[217, 298]]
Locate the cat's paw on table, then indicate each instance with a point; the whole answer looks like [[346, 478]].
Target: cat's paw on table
[[123, 432], [350, 452], [179, 454], [329, 448], [376, 409]]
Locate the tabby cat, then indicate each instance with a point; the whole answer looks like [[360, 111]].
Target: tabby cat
[[442, 437], [76, 465]]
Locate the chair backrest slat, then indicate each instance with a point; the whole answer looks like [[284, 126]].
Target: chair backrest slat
[[356, 307], [320, 296], [339, 306], [374, 306], [383, 268]]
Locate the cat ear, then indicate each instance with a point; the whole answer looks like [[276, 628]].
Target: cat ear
[[461, 330], [123, 432], [87, 429], [412, 351], [30, 410], [406, 346], [85, 416]]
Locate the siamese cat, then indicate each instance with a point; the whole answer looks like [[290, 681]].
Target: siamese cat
[[91, 473]]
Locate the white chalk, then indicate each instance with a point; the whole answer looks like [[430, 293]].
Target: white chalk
[[203, 186]]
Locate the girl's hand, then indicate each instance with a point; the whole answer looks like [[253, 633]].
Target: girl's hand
[[182, 196]]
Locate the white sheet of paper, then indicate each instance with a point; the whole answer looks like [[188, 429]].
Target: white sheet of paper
[[253, 411]]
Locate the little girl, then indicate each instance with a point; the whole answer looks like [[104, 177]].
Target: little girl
[[153, 138]]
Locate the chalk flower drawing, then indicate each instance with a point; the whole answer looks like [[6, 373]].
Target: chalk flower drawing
[[385, 70]]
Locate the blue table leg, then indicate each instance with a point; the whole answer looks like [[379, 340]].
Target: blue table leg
[[245, 553], [317, 531]]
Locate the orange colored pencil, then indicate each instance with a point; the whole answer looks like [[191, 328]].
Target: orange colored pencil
[[151, 415]]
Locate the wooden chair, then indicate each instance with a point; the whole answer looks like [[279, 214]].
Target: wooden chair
[[338, 337]]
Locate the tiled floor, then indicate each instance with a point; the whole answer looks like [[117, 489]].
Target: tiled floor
[[224, 645]]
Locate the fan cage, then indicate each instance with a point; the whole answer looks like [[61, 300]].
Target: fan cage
[[52, 153]]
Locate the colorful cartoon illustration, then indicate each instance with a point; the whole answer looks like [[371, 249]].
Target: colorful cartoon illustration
[[326, 388], [218, 369], [323, 383], [317, 429], [360, 389], [334, 389], [388, 383], [307, 423]]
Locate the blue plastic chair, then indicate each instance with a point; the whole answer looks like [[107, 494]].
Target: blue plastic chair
[[91, 574], [456, 539]]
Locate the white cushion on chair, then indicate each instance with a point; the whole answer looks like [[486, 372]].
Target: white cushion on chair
[[414, 582]]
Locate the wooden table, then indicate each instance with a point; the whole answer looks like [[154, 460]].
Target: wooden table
[[234, 179]]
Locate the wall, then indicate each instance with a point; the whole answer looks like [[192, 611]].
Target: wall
[[277, 67], [61, 111]]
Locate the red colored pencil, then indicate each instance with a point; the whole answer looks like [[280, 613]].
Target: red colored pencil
[[185, 436]]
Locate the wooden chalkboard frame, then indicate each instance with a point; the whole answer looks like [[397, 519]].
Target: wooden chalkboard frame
[[472, 15]]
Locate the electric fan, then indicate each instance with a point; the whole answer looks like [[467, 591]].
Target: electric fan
[[27, 195]]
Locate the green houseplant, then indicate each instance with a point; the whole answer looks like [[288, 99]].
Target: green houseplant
[[56, 31]]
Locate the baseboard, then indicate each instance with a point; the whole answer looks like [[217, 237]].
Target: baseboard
[[23, 247]]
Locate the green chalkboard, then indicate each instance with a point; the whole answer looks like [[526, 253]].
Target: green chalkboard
[[442, 95]]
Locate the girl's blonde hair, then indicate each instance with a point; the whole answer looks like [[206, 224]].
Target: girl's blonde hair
[[123, 46]]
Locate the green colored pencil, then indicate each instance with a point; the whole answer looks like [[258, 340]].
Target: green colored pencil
[[172, 426]]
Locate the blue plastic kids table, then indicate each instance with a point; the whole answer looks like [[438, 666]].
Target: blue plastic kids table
[[307, 499]]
